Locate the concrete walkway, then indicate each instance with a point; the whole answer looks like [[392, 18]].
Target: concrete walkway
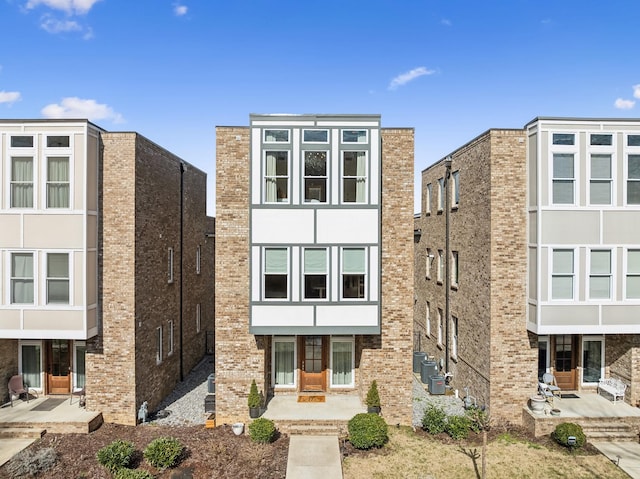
[[9, 447], [625, 454], [314, 457]]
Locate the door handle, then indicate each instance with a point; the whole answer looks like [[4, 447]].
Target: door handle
[[303, 365]]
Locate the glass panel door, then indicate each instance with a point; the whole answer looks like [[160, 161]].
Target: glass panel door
[[313, 363], [58, 366], [31, 365], [591, 360]]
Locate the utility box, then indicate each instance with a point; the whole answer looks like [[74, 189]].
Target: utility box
[[418, 357], [436, 384], [211, 383], [427, 369], [210, 403]]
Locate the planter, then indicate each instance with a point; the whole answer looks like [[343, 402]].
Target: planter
[[537, 404], [254, 412], [238, 428], [555, 412], [373, 409], [210, 422]]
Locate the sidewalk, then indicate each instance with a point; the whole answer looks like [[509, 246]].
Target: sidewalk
[[314, 457], [625, 454]]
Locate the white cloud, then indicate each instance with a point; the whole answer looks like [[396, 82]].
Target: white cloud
[[622, 104], [74, 107], [446, 22], [180, 10], [53, 25], [636, 91], [9, 96], [78, 7], [411, 75]]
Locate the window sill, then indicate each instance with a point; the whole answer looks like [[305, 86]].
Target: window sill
[[454, 359], [439, 281], [454, 208], [440, 346], [454, 287]]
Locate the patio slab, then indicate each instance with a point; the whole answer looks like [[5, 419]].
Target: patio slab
[[336, 407]]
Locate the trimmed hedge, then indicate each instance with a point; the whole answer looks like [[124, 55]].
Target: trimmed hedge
[[163, 452], [458, 427], [434, 420], [262, 430], [564, 430], [367, 430], [116, 455]]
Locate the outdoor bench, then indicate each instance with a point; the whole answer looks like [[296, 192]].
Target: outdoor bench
[[613, 386]]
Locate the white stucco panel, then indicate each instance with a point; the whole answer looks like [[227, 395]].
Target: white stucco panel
[[347, 315], [284, 226], [348, 226], [276, 315]]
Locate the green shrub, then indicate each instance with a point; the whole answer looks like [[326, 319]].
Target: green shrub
[[373, 397], [434, 420], [458, 427], [564, 430], [479, 419], [125, 473], [163, 452], [29, 463], [367, 430], [116, 455], [254, 397], [262, 430]]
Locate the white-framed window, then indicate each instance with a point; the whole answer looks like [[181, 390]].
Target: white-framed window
[[315, 136], [57, 278], [198, 259], [440, 326], [563, 139], [440, 276], [198, 318], [58, 182], [21, 141], [159, 345], [79, 367], [592, 359], [600, 274], [633, 140], [58, 141], [562, 283], [315, 176], [315, 273], [427, 205], [170, 338], [428, 263], [30, 360], [22, 284], [601, 180], [342, 361], [22, 170], [354, 272], [276, 177], [427, 319], [563, 183], [633, 274], [354, 177], [355, 136], [455, 193], [454, 337], [170, 265], [633, 179], [543, 356], [276, 273], [284, 361], [601, 139], [455, 272], [276, 136], [440, 194]]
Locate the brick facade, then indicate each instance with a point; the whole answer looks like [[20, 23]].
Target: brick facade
[[8, 365]]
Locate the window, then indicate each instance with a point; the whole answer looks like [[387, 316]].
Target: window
[[354, 177], [198, 318], [428, 200], [633, 180], [440, 266], [80, 355], [563, 178], [600, 186], [562, 276], [354, 136], [31, 363], [456, 189], [58, 278], [440, 194], [22, 278], [57, 141], [284, 357], [591, 359], [439, 326], [353, 273], [198, 258], [315, 273], [22, 141], [21, 182], [598, 139], [454, 269], [633, 140], [633, 274], [454, 337], [170, 330], [315, 176], [342, 362], [276, 273], [429, 262], [276, 136], [563, 138], [600, 275], [58, 182], [276, 176], [427, 319], [158, 344], [315, 136], [170, 266]]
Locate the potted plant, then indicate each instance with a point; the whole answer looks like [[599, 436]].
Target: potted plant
[[254, 400], [373, 398]]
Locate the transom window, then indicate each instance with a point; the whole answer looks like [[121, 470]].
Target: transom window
[[633, 179], [276, 136], [22, 141], [315, 136], [22, 182], [276, 273], [58, 182], [600, 184], [599, 139], [276, 176], [354, 136], [58, 278], [354, 177], [563, 178], [315, 273], [562, 274], [315, 176], [600, 275], [353, 273], [22, 278], [633, 274], [58, 141], [563, 138]]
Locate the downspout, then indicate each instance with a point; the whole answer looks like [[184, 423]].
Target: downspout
[[447, 272], [181, 268]]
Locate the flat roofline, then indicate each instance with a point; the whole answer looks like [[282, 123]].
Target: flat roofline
[[50, 120], [316, 115], [579, 119]]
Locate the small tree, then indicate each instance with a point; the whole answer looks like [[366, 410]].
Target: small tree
[[373, 398], [254, 396]]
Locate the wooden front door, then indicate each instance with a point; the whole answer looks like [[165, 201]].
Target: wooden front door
[[58, 366], [313, 363], [565, 361]]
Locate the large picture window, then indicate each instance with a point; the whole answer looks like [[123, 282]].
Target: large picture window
[[563, 178], [58, 182], [284, 361], [354, 177], [21, 182], [342, 350], [58, 278], [276, 273], [315, 176], [562, 276], [315, 273], [353, 273], [22, 278], [276, 177]]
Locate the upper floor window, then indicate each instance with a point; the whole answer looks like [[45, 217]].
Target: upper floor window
[[454, 268], [427, 319], [600, 184], [599, 139], [440, 326], [170, 265], [276, 136], [276, 273], [276, 176], [354, 177], [22, 182], [315, 273], [58, 182], [22, 278], [633, 274], [354, 136], [58, 278], [58, 141], [198, 258], [633, 140], [353, 273], [440, 194], [428, 200], [562, 274], [170, 330], [429, 262], [315, 136], [633, 179], [563, 178], [454, 337], [315, 176], [455, 194], [440, 266], [198, 318], [158, 344], [563, 138], [600, 274], [22, 141]]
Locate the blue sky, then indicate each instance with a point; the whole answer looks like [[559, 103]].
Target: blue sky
[[451, 69]]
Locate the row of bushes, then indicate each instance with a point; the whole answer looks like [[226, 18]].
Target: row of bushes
[[162, 453]]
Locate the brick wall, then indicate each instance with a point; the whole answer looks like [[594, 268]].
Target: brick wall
[[622, 357], [8, 365]]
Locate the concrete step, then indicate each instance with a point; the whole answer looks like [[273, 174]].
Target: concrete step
[[606, 426], [612, 436], [313, 428], [21, 433]]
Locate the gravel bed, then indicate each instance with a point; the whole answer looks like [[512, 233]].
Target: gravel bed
[[421, 399]]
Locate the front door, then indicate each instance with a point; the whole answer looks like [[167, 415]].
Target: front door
[[58, 366], [565, 361], [313, 363]]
